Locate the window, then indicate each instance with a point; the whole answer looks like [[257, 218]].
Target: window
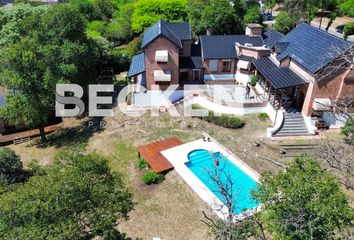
[[213, 65], [197, 74], [226, 66], [161, 56]]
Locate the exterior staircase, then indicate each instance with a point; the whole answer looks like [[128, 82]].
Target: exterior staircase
[[293, 124]]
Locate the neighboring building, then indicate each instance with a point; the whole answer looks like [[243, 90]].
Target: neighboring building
[[290, 67]]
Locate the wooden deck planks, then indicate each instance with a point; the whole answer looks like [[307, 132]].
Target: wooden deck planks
[[152, 153]]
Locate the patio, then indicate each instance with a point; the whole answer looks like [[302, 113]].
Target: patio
[[152, 153]]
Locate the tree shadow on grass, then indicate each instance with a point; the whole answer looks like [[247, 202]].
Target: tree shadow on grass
[[72, 136]]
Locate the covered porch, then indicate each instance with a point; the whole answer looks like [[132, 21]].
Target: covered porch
[[281, 86]]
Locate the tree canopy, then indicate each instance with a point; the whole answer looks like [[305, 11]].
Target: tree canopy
[[147, 12], [304, 202], [77, 198], [284, 23], [56, 50]]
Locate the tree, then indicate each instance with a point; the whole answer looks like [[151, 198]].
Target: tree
[[347, 8], [304, 202], [284, 23], [195, 9], [337, 157], [219, 17], [77, 198], [119, 29], [232, 227], [147, 12], [13, 22], [57, 50], [11, 169], [253, 15], [331, 17], [270, 4], [349, 27]]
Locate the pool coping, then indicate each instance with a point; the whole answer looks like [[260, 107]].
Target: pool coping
[[178, 156]]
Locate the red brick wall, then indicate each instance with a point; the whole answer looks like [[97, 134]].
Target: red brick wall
[[161, 43], [337, 85], [207, 71]]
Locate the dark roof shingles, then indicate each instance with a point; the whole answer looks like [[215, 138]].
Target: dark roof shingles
[[311, 47], [271, 37], [279, 77], [174, 32], [137, 65], [190, 62], [223, 46]]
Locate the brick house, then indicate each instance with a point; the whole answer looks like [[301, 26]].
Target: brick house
[[290, 67]]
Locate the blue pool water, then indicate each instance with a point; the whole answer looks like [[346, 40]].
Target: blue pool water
[[206, 165]]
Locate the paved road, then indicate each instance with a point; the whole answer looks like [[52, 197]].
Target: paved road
[[332, 31]]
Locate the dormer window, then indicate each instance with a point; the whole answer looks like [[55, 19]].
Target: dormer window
[[161, 56]]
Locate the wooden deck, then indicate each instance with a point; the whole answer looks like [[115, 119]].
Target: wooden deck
[[12, 138], [152, 153]]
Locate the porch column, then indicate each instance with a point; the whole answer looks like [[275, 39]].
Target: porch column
[[269, 90], [281, 99], [275, 96]]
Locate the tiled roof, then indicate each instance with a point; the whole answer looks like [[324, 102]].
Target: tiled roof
[[311, 47], [279, 77], [190, 62], [137, 65], [223, 46], [180, 29], [271, 37], [175, 32]]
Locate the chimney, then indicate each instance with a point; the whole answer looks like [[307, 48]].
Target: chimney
[[254, 29]]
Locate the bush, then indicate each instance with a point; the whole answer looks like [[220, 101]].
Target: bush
[[227, 121], [263, 116], [254, 80], [347, 29], [142, 163], [151, 177]]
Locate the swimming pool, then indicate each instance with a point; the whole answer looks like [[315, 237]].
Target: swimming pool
[[204, 163]]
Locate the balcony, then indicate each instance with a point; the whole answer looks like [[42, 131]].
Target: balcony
[[162, 75], [161, 56]]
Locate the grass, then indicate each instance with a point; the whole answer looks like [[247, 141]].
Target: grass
[[170, 209]]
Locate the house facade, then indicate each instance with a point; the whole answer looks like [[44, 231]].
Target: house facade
[[292, 69]]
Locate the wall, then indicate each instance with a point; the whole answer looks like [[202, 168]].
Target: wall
[[186, 48], [256, 53], [206, 66], [336, 85], [161, 43]]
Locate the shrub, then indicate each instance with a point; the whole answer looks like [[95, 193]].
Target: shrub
[[227, 121], [263, 116], [254, 80], [347, 29], [142, 163], [151, 177]]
